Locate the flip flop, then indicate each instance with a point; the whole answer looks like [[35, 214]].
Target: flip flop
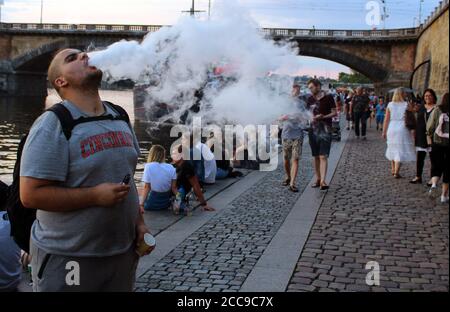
[[286, 182], [293, 189], [316, 185]]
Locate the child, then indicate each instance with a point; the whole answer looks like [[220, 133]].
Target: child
[[380, 112]]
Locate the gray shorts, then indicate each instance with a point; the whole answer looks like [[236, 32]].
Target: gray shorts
[[55, 273]]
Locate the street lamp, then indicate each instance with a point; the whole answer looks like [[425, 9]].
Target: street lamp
[[420, 12], [385, 15], [1, 3], [42, 8], [192, 11], [209, 9]]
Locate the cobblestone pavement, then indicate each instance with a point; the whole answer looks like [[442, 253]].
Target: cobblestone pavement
[[367, 215], [220, 255]]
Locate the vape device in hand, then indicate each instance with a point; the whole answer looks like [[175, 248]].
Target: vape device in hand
[[126, 179]]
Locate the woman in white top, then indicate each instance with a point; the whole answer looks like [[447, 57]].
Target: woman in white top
[[400, 143], [160, 181]]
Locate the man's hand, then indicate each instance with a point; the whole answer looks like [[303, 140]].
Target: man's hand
[[318, 117], [109, 194], [384, 135], [141, 209], [141, 229]]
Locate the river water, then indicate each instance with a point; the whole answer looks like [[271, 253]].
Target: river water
[[18, 113]]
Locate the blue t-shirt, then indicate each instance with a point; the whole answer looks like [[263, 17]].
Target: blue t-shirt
[[381, 109]]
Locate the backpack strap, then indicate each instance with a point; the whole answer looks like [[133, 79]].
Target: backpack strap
[[68, 123], [65, 118], [119, 109]]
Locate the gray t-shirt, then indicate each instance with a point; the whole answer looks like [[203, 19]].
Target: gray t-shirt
[[97, 152], [293, 128]]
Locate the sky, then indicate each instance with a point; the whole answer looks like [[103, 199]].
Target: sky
[[321, 14]]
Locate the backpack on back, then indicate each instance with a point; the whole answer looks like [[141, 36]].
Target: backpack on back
[[22, 218], [442, 128]]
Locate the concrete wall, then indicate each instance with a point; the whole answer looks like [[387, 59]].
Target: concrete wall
[[5, 46], [433, 45], [20, 45]]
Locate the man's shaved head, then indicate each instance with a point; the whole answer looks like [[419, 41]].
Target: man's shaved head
[[54, 70], [69, 68]]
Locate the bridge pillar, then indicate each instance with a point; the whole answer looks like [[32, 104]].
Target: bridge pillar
[[21, 83], [394, 80]]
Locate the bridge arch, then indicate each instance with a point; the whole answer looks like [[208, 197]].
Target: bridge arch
[[37, 60], [384, 56], [373, 71]]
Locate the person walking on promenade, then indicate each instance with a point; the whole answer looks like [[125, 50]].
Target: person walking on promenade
[[292, 141], [380, 110], [371, 112], [400, 146], [323, 108], [438, 136], [86, 218], [359, 109], [347, 111], [421, 142]]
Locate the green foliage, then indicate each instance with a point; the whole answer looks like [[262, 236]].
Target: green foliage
[[354, 77]]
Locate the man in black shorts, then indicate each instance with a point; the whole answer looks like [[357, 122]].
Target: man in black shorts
[[323, 108]]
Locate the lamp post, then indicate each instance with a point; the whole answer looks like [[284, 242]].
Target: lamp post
[[209, 9], [1, 3], [420, 12], [42, 8], [192, 11], [385, 15]]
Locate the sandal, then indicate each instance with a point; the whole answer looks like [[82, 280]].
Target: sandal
[[397, 176], [293, 188], [286, 182], [324, 187], [416, 180], [316, 185]]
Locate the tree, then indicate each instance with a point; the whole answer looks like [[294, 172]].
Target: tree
[[353, 77]]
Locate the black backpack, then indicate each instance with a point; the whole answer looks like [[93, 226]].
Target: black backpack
[[22, 218]]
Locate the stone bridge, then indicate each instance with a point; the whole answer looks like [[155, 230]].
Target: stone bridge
[[387, 57]]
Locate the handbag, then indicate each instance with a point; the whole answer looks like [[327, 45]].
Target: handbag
[[410, 120]]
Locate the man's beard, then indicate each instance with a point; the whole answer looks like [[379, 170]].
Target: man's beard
[[93, 80]]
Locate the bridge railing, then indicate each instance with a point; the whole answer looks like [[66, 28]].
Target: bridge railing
[[79, 27], [320, 33], [437, 11], [275, 32]]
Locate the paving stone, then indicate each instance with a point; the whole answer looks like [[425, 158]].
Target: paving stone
[[396, 225]]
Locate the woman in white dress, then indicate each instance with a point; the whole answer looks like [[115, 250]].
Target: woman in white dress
[[400, 143]]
